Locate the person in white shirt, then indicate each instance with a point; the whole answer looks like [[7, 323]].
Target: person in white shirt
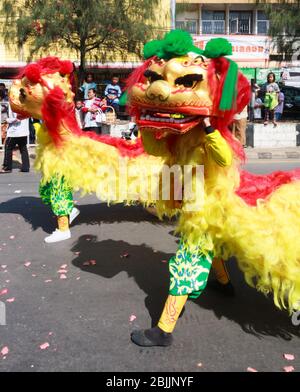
[[92, 107], [17, 135]]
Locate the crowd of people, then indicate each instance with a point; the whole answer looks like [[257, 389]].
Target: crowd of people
[[91, 110]]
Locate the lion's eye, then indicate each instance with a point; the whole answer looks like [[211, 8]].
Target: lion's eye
[[198, 60], [152, 76], [22, 93]]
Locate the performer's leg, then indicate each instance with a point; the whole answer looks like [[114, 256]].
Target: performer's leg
[[222, 282], [59, 195], [220, 271], [189, 272]]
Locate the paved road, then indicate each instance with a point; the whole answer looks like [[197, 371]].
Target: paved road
[[86, 317]]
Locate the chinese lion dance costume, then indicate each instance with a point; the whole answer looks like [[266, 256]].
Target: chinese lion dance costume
[[183, 99]]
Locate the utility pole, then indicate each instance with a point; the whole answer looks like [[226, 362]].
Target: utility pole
[[173, 14]]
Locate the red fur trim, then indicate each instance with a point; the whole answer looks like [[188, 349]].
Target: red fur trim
[[222, 119], [33, 73], [254, 187], [53, 111], [66, 67]]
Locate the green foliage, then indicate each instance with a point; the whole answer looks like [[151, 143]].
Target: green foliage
[[96, 29], [284, 24]]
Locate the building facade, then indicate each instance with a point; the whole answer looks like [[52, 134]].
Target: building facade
[[240, 21]]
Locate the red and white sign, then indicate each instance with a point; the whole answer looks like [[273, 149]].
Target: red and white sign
[[245, 48]]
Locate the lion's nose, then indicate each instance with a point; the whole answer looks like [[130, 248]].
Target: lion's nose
[[159, 89]]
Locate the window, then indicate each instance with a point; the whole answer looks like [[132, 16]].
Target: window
[[213, 22], [190, 26], [240, 22], [262, 23]]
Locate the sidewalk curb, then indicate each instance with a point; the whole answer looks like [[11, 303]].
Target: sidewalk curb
[[273, 154]]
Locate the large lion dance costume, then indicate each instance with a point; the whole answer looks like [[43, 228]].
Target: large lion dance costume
[[183, 99]]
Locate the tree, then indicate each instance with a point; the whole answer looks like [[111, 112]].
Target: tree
[[95, 29], [284, 18]]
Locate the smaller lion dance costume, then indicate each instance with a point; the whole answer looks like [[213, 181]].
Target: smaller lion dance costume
[[183, 99]]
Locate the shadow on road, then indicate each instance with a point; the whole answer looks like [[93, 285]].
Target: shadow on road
[[40, 216], [256, 314], [142, 263]]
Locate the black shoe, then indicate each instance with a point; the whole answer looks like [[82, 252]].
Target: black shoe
[[225, 289], [24, 171], [3, 171], [152, 337]]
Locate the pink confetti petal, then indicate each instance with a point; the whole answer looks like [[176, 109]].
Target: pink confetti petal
[[27, 264], [50, 333], [132, 318], [289, 357], [78, 278], [93, 262], [10, 300], [124, 255], [77, 253], [33, 275], [289, 369], [199, 364], [48, 280], [64, 266], [62, 271], [164, 261], [4, 292], [5, 350], [12, 237], [3, 266], [250, 369], [7, 281], [63, 276], [86, 263], [44, 346]]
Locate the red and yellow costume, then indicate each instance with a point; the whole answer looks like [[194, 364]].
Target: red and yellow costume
[[254, 218]]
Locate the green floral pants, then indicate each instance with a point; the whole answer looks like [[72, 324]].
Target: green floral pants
[[58, 195], [189, 270]]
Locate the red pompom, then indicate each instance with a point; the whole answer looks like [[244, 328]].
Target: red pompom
[[33, 73], [66, 67]]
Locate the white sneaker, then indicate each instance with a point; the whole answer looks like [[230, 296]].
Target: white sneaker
[[58, 236], [73, 215]]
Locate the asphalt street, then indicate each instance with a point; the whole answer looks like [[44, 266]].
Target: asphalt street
[[115, 280]]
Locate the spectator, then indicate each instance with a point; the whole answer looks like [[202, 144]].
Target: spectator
[[17, 134], [113, 93], [271, 82], [4, 90], [270, 103], [239, 126], [279, 108], [258, 104], [79, 113], [87, 85], [4, 114], [92, 109]]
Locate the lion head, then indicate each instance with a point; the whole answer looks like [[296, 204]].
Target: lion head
[[37, 82]]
